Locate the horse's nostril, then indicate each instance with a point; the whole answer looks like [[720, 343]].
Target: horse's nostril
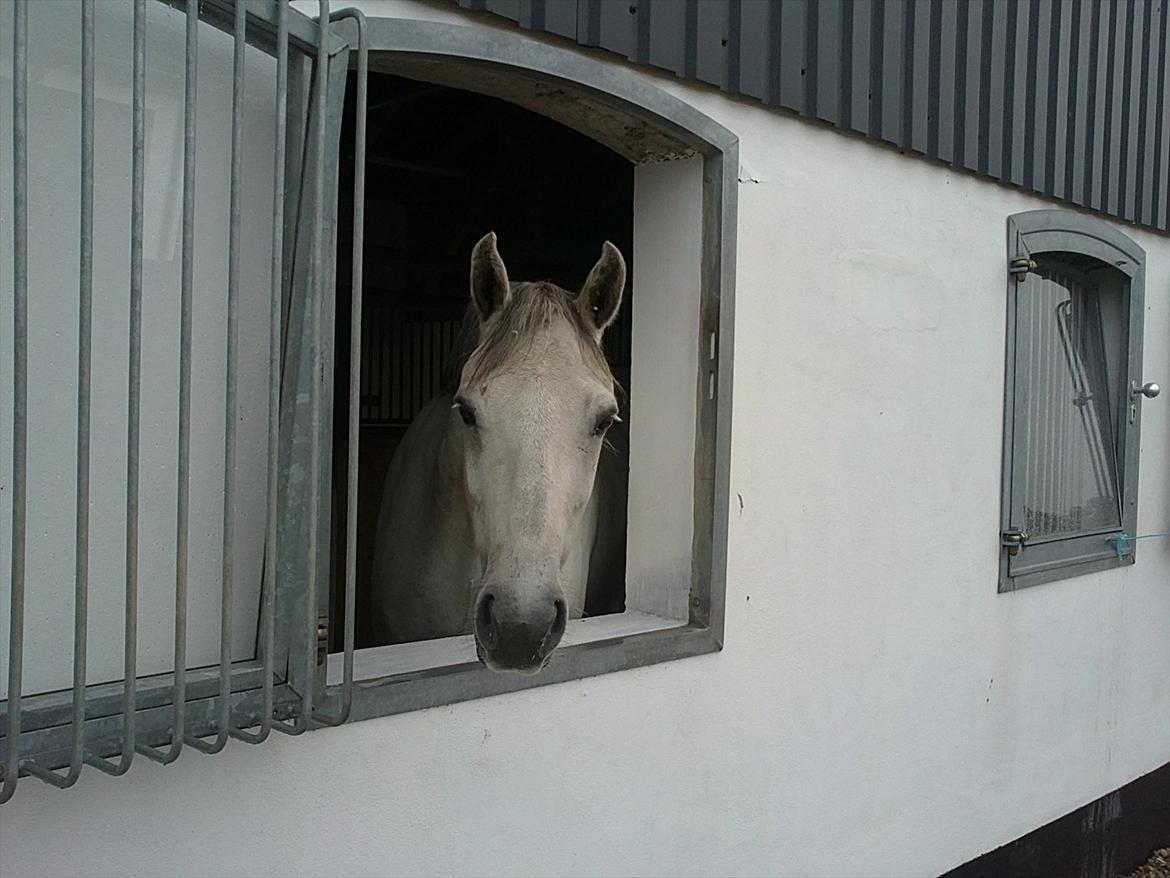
[[558, 626], [485, 620]]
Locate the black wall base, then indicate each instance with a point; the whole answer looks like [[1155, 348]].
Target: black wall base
[[1106, 838]]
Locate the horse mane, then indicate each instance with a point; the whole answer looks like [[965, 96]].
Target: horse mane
[[531, 306]]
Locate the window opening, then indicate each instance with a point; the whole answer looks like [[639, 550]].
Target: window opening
[[445, 167]]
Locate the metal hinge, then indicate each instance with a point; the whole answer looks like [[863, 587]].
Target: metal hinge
[[1013, 539], [1020, 266]]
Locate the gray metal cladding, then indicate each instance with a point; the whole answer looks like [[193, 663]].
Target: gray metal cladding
[[1067, 98]]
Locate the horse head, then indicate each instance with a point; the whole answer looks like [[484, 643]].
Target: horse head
[[535, 399]]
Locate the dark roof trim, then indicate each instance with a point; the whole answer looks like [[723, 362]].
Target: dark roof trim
[[1068, 98]]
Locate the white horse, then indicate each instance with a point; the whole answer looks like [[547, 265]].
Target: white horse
[[496, 516]]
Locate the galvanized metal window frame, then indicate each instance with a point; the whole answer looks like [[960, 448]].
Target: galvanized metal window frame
[[160, 715], [1038, 561], [560, 83]]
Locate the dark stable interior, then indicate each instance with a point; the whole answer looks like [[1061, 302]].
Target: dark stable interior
[[444, 167]]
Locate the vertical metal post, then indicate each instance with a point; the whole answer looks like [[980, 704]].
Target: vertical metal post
[[316, 288], [84, 345], [318, 274], [84, 363], [355, 342], [134, 402], [223, 723], [268, 596], [19, 387], [178, 731]]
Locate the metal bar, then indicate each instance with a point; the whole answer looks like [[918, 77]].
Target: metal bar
[[268, 586], [84, 365], [316, 286], [355, 347], [184, 463], [134, 395], [84, 359], [294, 298], [227, 582], [19, 388], [317, 294]]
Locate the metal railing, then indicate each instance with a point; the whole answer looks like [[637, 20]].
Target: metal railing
[[224, 721]]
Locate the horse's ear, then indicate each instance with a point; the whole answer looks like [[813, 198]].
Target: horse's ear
[[489, 278], [601, 296]]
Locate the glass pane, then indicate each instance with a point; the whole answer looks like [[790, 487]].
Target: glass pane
[[1070, 482]]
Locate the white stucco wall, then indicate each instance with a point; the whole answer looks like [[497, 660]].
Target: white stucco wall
[[878, 708]]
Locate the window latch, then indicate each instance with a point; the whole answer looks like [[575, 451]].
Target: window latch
[[1020, 266], [1149, 390], [1013, 539]]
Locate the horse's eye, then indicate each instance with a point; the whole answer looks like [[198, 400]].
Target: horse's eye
[[466, 412], [604, 423]]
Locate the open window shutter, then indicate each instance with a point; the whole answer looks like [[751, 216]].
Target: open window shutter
[[54, 735]]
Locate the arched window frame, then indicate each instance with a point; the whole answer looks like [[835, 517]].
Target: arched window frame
[[649, 126], [1024, 562]]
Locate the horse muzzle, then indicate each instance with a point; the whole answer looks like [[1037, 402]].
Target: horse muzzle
[[518, 633]]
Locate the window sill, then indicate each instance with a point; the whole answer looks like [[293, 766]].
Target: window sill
[[411, 676]]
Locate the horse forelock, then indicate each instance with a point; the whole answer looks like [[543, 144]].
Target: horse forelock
[[531, 308]]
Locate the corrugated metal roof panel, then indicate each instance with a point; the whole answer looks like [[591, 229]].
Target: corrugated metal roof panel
[[1063, 97]]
